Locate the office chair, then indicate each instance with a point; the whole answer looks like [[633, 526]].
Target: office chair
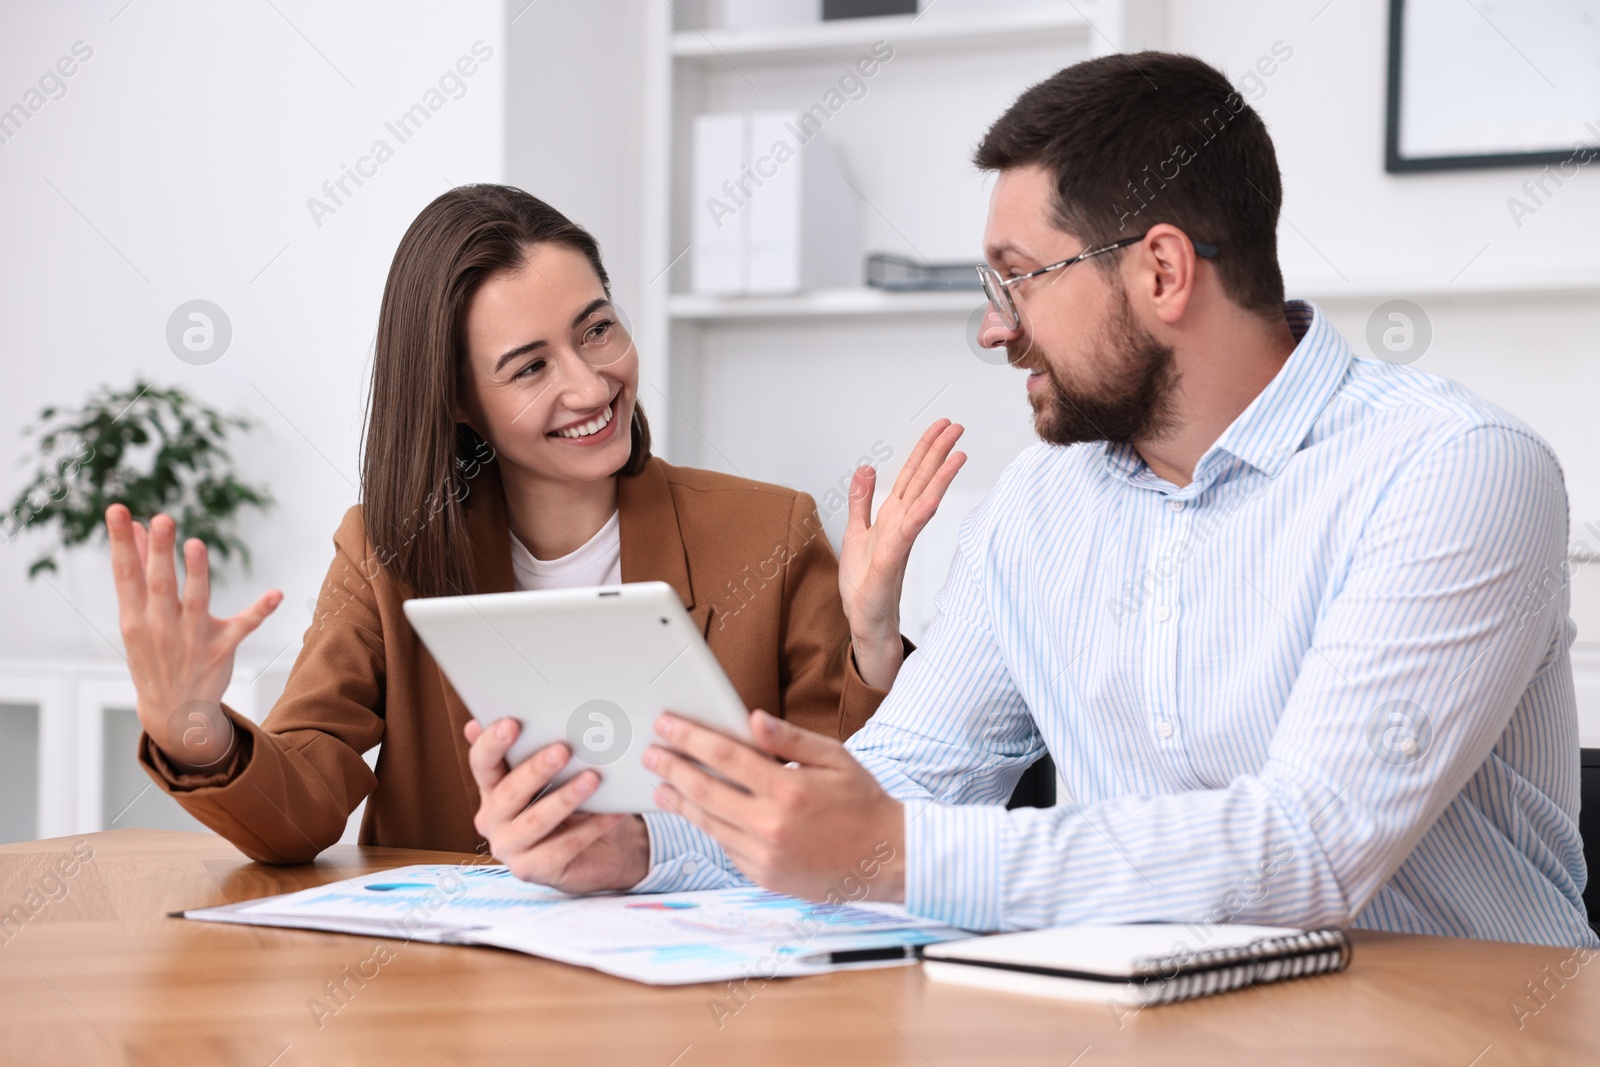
[[1037, 786], [1589, 829]]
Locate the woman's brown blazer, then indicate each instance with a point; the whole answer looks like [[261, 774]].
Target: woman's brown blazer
[[749, 560]]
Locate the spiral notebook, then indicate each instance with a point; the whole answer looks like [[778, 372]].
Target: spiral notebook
[[1145, 963]]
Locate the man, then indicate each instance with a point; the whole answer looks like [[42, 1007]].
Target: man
[[1292, 624]]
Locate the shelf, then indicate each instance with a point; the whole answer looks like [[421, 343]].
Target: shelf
[[824, 302], [864, 301], [1325, 290], [848, 38]]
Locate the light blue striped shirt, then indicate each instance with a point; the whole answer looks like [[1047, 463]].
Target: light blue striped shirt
[[1325, 683]]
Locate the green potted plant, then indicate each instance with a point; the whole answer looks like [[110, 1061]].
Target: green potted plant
[[155, 450]]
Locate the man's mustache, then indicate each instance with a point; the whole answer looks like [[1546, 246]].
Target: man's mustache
[[1017, 356]]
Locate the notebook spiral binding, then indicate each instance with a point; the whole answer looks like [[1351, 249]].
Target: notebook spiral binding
[[1164, 979]]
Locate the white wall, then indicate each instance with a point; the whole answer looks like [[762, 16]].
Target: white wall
[[573, 126], [178, 165]]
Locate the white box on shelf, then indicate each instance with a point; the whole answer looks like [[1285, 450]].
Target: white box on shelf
[[775, 207], [748, 14], [805, 228], [720, 149], [781, 217]]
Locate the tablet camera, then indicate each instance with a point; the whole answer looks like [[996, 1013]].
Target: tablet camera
[[599, 732]]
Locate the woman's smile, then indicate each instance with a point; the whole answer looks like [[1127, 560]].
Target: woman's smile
[[593, 431]]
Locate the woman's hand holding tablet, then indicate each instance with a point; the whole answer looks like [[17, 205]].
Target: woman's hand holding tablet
[[550, 841]]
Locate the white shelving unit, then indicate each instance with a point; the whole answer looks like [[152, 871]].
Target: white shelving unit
[[944, 56], [928, 31], [75, 700], [861, 301], [959, 59], [709, 364]]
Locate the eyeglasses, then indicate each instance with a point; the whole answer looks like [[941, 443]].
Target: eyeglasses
[[998, 289]]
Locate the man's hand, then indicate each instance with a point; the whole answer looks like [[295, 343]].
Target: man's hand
[[551, 842], [809, 831]]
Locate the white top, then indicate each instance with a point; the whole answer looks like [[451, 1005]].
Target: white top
[[597, 562]]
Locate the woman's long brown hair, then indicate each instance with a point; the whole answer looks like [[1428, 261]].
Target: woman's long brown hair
[[418, 462]]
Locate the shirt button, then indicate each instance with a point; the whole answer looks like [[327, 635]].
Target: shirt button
[[1165, 728], [688, 866], [1175, 505], [1163, 613]]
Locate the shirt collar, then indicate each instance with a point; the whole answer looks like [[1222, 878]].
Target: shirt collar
[[1277, 421]]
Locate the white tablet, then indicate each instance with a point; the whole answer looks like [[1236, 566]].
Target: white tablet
[[591, 666]]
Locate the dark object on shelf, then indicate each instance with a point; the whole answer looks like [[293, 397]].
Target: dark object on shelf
[[902, 274], [860, 9]]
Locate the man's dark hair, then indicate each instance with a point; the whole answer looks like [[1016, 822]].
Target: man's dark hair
[[1134, 140]]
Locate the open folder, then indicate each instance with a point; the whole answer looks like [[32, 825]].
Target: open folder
[[660, 938]]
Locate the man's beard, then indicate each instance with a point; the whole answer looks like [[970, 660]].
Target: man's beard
[[1133, 401]]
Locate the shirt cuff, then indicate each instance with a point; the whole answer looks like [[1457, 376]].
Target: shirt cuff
[[684, 857], [953, 862]]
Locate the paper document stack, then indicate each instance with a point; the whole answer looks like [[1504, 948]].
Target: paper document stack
[[660, 939]]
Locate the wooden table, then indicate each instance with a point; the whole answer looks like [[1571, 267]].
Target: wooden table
[[97, 974]]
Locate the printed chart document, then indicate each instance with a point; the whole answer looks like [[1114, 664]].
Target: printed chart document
[[659, 938]]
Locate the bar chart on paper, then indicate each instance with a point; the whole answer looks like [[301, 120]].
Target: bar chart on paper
[[660, 939]]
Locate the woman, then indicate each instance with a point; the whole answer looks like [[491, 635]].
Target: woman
[[505, 449]]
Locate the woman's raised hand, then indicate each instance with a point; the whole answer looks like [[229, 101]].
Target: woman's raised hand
[[180, 655], [872, 559]]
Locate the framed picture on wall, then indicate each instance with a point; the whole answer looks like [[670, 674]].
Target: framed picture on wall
[[1492, 83]]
